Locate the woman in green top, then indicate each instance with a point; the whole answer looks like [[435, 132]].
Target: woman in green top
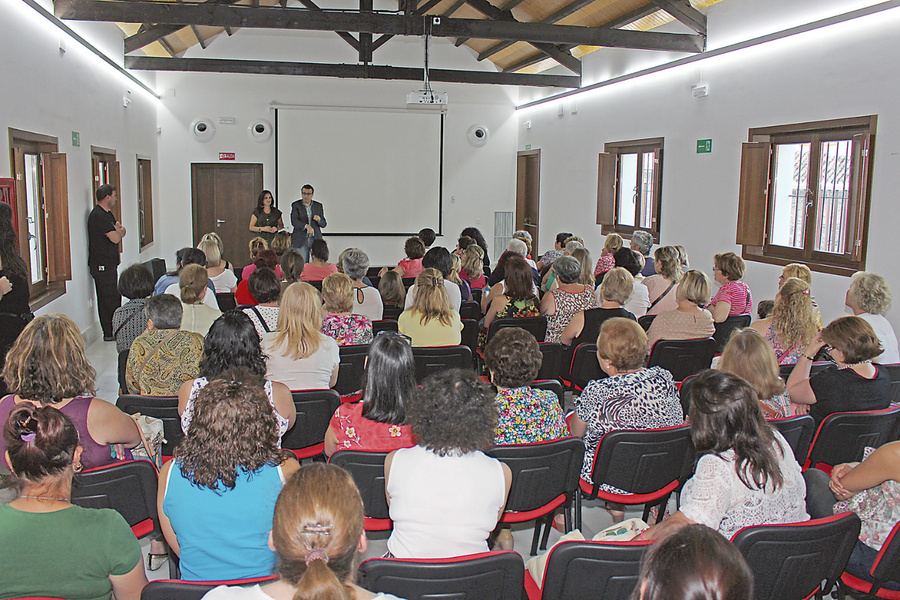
[[265, 220], [49, 547]]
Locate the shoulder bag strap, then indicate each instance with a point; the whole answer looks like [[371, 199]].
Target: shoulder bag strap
[[127, 321], [663, 295], [261, 320]]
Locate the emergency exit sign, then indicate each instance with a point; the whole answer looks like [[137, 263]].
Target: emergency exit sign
[[226, 155], [704, 146]]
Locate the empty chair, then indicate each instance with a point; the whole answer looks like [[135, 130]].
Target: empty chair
[[682, 358], [588, 570], [469, 336], [790, 562], [843, 436], [584, 367], [435, 359], [128, 487], [798, 432], [226, 301], [383, 325], [164, 408], [176, 589], [537, 326], [391, 313], [314, 409], [544, 477], [894, 372], [351, 369], [485, 576], [553, 358], [551, 385], [367, 470], [645, 321], [885, 568], [470, 310], [724, 329]]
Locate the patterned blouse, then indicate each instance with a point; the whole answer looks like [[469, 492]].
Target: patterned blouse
[[348, 330], [567, 305], [515, 309], [528, 415], [785, 356], [161, 360], [129, 322], [777, 407], [645, 399], [605, 263], [355, 432]]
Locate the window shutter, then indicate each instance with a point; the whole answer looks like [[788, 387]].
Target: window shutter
[[21, 212], [56, 215], [655, 202], [114, 179], [859, 192], [145, 202], [606, 189], [752, 198]]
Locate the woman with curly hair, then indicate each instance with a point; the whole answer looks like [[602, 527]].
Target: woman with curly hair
[[431, 321], [318, 536], [47, 366], [664, 284], [378, 423], [869, 297], [793, 322], [445, 495], [340, 323], [233, 343], [228, 469], [300, 355], [749, 356]]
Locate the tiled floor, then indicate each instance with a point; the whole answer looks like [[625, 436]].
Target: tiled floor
[[104, 359]]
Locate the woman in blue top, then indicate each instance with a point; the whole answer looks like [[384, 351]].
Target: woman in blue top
[[216, 498]]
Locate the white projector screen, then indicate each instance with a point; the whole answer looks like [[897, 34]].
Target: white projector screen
[[376, 171]]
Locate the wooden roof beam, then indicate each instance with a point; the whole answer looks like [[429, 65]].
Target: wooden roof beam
[[684, 12]]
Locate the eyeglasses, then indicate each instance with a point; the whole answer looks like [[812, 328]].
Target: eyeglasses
[[395, 333]]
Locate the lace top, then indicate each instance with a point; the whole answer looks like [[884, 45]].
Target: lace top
[[567, 304], [201, 382], [717, 498]]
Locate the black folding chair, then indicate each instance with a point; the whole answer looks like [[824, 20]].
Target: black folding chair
[[436, 359], [351, 369], [164, 408], [682, 358], [367, 470], [315, 408], [724, 329]]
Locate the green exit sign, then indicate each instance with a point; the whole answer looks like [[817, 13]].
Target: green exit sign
[[76, 139], [528, 146], [704, 146]]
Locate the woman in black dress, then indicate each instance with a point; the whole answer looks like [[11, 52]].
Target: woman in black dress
[[15, 312], [265, 220]]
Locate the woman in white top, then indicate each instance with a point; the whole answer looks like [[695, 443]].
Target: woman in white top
[[317, 533], [445, 495], [869, 298], [222, 277], [366, 299], [747, 474], [196, 315], [300, 355]]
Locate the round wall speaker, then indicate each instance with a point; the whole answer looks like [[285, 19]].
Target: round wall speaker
[[478, 135], [203, 130], [260, 130]]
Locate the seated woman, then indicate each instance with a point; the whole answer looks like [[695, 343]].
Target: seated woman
[[340, 323], [747, 473], [300, 355], [378, 423], [366, 299], [734, 297], [566, 300], [633, 261], [689, 320], [515, 298], [222, 277], [196, 315], [792, 325], [473, 267], [438, 258], [228, 469], [869, 298], [257, 246], [168, 283], [513, 359], [410, 266], [548, 257], [47, 366], [292, 265], [607, 261], [102, 555], [280, 242], [445, 495], [266, 289], [215, 237], [632, 397], [129, 321], [749, 356], [318, 536], [465, 288], [318, 268], [475, 234], [431, 321], [496, 282], [583, 256], [232, 344], [854, 383], [265, 259], [804, 274], [663, 286], [393, 294], [615, 291]]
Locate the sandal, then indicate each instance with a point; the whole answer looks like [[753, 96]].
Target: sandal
[[156, 561]]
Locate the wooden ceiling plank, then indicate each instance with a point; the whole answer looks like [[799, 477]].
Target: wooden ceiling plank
[[684, 12]]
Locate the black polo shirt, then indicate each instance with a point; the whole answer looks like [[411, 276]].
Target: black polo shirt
[[101, 251]]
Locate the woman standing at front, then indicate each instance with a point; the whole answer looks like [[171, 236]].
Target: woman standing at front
[[266, 219]]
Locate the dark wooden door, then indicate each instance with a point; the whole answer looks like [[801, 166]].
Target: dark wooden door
[[223, 197], [528, 195]]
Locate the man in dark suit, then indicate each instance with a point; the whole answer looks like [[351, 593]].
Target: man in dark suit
[[308, 219]]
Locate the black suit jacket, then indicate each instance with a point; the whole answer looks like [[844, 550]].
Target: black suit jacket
[[299, 237]]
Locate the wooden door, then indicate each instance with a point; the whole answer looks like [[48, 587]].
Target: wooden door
[[528, 195], [223, 197]]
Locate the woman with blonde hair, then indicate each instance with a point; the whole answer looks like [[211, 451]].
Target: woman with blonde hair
[[280, 242], [583, 256], [300, 355], [222, 277], [317, 534], [749, 356], [473, 267], [431, 321], [47, 366], [197, 315], [793, 322], [869, 297], [607, 261], [339, 323], [689, 320], [662, 286], [465, 290], [215, 237]]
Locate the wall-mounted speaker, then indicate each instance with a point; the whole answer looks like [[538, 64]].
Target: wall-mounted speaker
[[203, 130], [260, 130], [478, 135]]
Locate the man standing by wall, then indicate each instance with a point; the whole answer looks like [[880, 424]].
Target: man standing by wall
[[308, 219], [104, 235]]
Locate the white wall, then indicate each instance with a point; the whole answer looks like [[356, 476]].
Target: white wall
[[55, 93], [843, 71]]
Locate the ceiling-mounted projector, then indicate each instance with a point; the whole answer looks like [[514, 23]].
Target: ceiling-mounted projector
[[427, 98]]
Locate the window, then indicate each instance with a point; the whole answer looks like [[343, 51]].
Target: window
[[629, 187], [42, 213], [804, 194], [144, 202]]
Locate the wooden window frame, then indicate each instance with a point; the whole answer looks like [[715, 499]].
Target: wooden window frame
[[608, 186], [106, 169], [756, 194], [54, 210], [144, 201]]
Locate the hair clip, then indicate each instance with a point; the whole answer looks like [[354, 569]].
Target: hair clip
[[316, 554], [28, 437], [318, 529], [805, 292]]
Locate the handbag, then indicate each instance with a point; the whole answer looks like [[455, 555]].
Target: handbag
[[152, 439]]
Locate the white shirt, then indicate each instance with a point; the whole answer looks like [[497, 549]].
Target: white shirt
[[255, 592], [886, 336], [452, 291], [372, 306], [224, 281], [310, 373], [209, 299], [639, 302]]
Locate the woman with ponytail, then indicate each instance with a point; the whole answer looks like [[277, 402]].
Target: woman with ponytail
[[91, 553], [317, 534]]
